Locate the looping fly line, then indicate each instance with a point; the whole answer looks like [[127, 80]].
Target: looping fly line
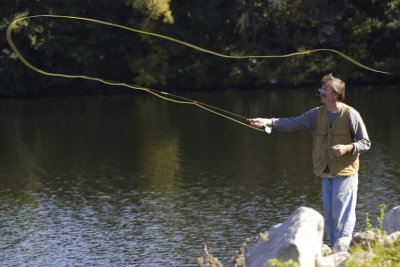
[[160, 94]]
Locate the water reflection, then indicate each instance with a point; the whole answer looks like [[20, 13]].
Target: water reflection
[[135, 181]]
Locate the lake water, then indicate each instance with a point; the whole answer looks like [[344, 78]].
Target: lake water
[[133, 180]]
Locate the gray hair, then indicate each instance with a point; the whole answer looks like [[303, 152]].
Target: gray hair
[[337, 85]]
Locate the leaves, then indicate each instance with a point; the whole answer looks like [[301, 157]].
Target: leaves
[[155, 9], [366, 30]]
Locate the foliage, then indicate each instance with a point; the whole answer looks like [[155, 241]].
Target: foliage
[[368, 225], [382, 209], [379, 256], [281, 263], [155, 9], [366, 30], [379, 253]]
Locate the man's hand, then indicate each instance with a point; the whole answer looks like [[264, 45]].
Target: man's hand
[[260, 122], [340, 150]]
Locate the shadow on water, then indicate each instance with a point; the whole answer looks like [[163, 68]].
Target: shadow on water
[[135, 181]]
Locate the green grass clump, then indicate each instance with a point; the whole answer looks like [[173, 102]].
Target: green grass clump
[[378, 253], [368, 225], [377, 256], [281, 263]]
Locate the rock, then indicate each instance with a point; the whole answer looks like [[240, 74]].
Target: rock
[[324, 261], [393, 237], [391, 221], [299, 238], [335, 260], [326, 250], [342, 244], [362, 258], [363, 239], [340, 258]]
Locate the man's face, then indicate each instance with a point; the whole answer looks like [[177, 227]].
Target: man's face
[[327, 94]]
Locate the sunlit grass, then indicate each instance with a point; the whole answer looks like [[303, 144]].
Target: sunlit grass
[[379, 251]]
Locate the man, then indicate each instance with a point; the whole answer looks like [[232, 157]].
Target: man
[[339, 136]]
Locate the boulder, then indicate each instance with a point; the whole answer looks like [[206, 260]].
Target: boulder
[[342, 244], [363, 258], [326, 250], [335, 260], [299, 238], [364, 239], [393, 237], [391, 221]]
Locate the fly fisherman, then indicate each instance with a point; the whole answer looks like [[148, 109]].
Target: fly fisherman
[[339, 136]]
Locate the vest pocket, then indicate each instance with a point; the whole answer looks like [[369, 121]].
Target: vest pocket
[[346, 159], [340, 137], [346, 164]]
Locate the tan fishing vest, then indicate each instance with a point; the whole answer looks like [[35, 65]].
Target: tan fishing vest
[[325, 137]]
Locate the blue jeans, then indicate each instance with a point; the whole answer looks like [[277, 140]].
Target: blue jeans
[[339, 198]]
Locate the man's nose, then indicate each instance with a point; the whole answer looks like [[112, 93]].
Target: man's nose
[[322, 91]]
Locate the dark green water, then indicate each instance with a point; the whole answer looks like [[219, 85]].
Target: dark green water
[[137, 181]]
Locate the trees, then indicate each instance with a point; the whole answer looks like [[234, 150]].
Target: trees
[[366, 30]]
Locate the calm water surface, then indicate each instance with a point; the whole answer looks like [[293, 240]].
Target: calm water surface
[[136, 181]]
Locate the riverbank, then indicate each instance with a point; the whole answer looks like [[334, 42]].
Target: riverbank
[[298, 242]]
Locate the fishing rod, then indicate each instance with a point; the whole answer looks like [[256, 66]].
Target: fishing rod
[[184, 100]]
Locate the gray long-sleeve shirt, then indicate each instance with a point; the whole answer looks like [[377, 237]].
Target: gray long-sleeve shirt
[[307, 120]]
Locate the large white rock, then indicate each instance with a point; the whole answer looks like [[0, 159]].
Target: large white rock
[[299, 238], [391, 221]]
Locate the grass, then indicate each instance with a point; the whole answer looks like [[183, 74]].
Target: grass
[[378, 253]]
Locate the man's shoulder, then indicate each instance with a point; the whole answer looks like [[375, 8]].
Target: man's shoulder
[[317, 108], [353, 115], [351, 110]]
